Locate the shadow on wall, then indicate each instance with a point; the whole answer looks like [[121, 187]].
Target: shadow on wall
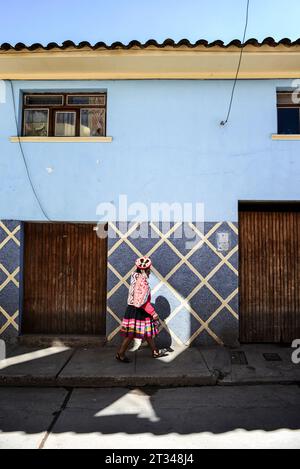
[[227, 330], [163, 309]]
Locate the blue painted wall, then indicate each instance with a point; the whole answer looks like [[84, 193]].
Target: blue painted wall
[[167, 146]]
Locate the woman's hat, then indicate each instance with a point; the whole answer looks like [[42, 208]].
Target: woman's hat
[[143, 263]]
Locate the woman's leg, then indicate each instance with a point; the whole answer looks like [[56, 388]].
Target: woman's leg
[[151, 344], [124, 346], [156, 353]]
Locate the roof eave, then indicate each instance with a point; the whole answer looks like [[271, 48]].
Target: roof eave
[[168, 60]]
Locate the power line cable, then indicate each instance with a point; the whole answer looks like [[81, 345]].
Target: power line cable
[[239, 66], [221, 123], [78, 224], [25, 162], [23, 156]]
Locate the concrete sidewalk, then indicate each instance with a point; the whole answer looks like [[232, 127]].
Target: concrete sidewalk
[[196, 366]]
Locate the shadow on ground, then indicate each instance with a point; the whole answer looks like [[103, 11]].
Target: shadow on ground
[[159, 412]]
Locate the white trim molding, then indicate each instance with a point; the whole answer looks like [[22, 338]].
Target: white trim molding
[[285, 136]]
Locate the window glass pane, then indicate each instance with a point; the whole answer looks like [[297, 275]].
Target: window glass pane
[[86, 100], [288, 121], [92, 122], [284, 98], [43, 100], [65, 124], [36, 122], [288, 98]]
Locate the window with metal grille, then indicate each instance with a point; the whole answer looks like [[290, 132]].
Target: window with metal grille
[[64, 115], [288, 112]]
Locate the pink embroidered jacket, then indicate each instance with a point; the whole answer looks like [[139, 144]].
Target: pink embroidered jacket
[[139, 292]]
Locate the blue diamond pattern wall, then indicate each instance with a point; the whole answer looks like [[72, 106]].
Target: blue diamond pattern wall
[[194, 288], [195, 291], [10, 243]]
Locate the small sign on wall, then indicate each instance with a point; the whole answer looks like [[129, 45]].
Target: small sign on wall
[[223, 241]]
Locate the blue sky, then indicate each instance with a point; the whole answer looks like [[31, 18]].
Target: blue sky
[[111, 20]]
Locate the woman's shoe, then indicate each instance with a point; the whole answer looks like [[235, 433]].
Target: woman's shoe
[[123, 360], [159, 353]]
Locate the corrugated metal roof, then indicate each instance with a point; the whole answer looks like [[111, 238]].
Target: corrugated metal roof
[[269, 41]]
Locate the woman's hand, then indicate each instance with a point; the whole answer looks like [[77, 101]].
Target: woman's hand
[[155, 316]]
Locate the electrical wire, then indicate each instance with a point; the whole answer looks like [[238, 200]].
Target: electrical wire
[[23, 156], [221, 123], [27, 168], [239, 66], [26, 165]]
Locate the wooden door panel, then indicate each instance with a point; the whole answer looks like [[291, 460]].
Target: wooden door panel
[[43, 279], [64, 279], [269, 275]]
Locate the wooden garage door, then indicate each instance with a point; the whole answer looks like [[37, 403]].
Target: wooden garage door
[[269, 292], [64, 279]]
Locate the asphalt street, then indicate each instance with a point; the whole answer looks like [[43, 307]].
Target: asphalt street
[[263, 416]]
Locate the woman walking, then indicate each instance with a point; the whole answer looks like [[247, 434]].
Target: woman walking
[[140, 320]]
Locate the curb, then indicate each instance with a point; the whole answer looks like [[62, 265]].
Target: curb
[[135, 381], [287, 382], [105, 382]]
